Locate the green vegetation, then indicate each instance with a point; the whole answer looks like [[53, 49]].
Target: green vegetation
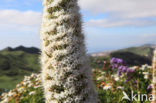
[[15, 63], [131, 58], [20, 61], [109, 85], [145, 50]]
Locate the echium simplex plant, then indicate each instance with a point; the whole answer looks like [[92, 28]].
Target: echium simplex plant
[[154, 77], [66, 75]]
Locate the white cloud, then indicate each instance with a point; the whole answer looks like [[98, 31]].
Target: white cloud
[[119, 23], [120, 12], [121, 8], [19, 28], [20, 19]]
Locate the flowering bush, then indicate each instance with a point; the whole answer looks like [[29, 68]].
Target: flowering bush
[[118, 78], [111, 81], [27, 91]]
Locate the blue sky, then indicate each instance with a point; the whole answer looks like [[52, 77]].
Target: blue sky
[[108, 24]]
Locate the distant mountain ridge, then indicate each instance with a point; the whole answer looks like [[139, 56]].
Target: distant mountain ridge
[[149, 45], [144, 50], [32, 50], [133, 55]]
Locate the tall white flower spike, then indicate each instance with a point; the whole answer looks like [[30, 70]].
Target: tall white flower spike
[[66, 75], [154, 76]]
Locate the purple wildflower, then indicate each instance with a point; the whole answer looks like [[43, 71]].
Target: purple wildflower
[[126, 81], [123, 68], [119, 73], [114, 66], [116, 60], [135, 82], [129, 71], [119, 61], [120, 68], [113, 60], [149, 87]]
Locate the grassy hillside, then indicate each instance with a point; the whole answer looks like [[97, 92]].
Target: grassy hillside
[[135, 55], [145, 50], [132, 56], [15, 63]]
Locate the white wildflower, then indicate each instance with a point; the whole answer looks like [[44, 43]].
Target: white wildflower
[[37, 86], [11, 93], [18, 85], [115, 77], [20, 90], [101, 78], [107, 87], [145, 66], [32, 93], [6, 100], [120, 87]]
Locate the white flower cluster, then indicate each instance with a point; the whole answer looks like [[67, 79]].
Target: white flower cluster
[[32, 81], [101, 78], [66, 75], [5, 96], [120, 87], [145, 67], [32, 93], [146, 75], [106, 87], [116, 77]]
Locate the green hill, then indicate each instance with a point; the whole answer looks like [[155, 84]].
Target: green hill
[[135, 55], [17, 62], [145, 50], [132, 56]]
